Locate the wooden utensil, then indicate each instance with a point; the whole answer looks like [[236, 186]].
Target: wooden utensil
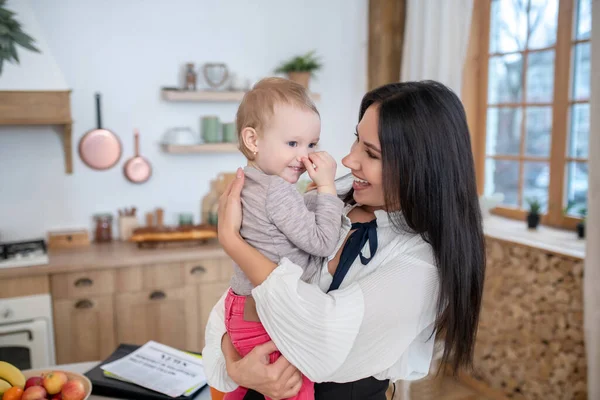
[[99, 148], [137, 169]]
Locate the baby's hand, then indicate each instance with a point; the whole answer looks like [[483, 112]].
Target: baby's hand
[[323, 172]]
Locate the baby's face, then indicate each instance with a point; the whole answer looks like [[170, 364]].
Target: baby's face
[[292, 133]]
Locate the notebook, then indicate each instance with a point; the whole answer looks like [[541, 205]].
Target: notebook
[[110, 387]]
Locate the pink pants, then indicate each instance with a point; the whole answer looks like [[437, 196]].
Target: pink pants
[[245, 335]]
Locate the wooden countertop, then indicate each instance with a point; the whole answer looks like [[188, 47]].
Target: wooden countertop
[[122, 254], [113, 255]]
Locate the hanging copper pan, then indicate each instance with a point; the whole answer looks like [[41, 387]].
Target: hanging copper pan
[[137, 169], [99, 148]]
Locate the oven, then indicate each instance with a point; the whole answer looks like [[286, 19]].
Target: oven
[[26, 331]]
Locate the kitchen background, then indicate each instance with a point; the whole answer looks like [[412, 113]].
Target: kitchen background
[[541, 283], [127, 51]]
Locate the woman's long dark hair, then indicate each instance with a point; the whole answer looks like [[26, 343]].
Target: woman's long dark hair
[[428, 170]]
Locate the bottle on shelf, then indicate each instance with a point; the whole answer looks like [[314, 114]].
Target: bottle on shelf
[[190, 77]]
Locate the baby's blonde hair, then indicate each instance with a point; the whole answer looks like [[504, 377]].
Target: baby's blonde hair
[[258, 105]]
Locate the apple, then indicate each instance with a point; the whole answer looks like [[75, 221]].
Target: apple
[[73, 390], [33, 381], [54, 381], [57, 396], [34, 393]]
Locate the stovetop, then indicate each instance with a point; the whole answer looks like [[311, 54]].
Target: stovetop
[[23, 254]]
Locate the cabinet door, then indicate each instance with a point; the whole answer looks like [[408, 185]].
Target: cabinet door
[[84, 329], [208, 295], [167, 316]]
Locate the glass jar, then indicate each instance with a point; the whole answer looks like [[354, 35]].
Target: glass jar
[[186, 219], [103, 233]]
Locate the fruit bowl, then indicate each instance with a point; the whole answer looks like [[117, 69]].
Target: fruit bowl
[[87, 385]]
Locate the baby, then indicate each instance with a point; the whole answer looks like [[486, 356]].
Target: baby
[[278, 130]]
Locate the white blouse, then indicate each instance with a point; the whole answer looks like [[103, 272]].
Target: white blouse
[[379, 323]]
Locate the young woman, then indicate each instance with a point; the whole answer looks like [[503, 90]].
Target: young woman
[[409, 266]]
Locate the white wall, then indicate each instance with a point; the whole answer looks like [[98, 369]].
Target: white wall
[[591, 303], [36, 71], [127, 50]]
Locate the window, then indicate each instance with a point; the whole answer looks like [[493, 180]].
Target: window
[[532, 135]]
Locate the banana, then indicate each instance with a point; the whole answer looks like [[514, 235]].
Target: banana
[[4, 386], [11, 374]]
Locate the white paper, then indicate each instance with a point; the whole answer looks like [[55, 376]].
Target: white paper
[[160, 368]]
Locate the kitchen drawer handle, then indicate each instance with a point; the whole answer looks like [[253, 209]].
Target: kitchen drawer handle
[[157, 295], [198, 269], [84, 304], [84, 282]]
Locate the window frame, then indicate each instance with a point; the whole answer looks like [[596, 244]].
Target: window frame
[[475, 97]]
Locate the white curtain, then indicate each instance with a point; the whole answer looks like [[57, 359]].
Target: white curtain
[[591, 304], [436, 41]]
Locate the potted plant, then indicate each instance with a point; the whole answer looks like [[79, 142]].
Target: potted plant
[[11, 36], [300, 68], [568, 207], [582, 215], [533, 218], [581, 224]]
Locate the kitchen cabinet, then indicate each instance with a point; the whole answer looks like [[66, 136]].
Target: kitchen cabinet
[[167, 301], [168, 316], [77, 285], [84, 328]]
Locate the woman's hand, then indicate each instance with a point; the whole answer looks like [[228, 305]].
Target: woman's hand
[[279, 380], [230, 212], [255, 265]]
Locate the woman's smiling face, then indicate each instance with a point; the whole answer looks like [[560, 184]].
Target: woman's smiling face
[[364, 161]]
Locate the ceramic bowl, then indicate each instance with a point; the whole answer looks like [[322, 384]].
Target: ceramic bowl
[[87, 385]]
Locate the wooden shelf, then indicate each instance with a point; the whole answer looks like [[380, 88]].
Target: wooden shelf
[[35, 107], [210, 96], [201, 148], [201, 95], [20, 121]]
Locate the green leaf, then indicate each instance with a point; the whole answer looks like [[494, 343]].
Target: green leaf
[[24, 40], [302, 63], [30, 46], [6, 14], [11, 36], [5, 54], [20, 37], [13, 52]]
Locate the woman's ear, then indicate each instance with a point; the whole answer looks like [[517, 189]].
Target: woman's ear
[[250, 139]]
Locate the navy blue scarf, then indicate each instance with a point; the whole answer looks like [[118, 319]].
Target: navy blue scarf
[[365, 232]]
